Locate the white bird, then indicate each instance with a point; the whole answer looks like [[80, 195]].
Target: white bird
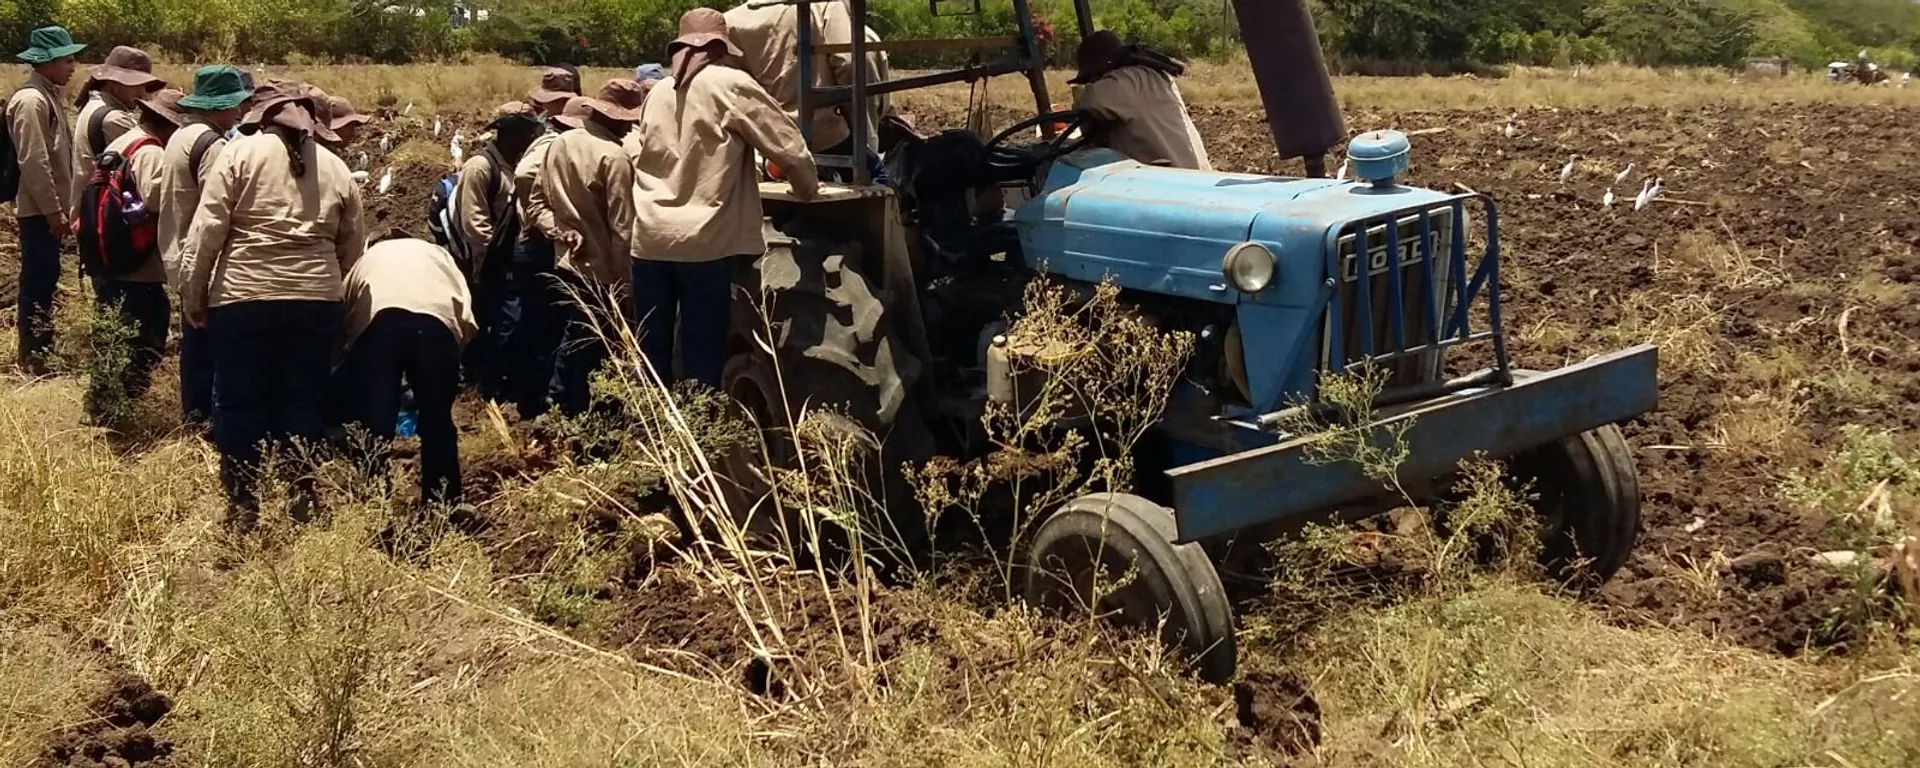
[[360, 177], [1566, 171], [1640, 200], [1623, 174], [1509, 129], [386, 143], [458, 154], [408, 110], [1606, 200], [436, 126], [1341, 174], [386, 181], [363, 161], [1654, 194]]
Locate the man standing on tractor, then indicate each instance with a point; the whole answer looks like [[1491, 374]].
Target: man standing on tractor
[[588, 182], [769, 44], [41, 188], [699, 198], [107, 106], [532, 271], [1130, 91]]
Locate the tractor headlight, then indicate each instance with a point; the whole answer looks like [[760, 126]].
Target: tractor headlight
[[1249, 267]]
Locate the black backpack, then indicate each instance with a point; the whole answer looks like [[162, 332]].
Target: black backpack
[[446, 231], [9, 164], [118, 231]]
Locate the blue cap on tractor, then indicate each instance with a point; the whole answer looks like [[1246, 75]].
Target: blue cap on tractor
[[1379, 157]]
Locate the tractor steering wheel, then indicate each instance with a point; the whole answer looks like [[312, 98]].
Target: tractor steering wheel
[[1074, 134]]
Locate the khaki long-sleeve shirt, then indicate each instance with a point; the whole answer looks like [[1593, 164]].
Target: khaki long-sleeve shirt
[[411, 275], [1146, 119], [146, 166], [120, 119], [482, 200], [43, 141], [179, 194], [698, 192], [262, 233], [535, 215], [588, 183], [770, 39]]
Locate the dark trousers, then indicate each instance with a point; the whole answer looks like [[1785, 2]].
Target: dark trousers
[[402, 349], [582, 348], [532, 341], [196, 375], [271, 361], [698, 294], [496, 306], [144, 308], [39, 274]]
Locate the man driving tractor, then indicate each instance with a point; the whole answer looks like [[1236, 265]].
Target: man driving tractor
[[1130, 91]]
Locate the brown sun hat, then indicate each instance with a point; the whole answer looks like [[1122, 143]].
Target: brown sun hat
[[701, 27], [624, 93], [164, 104], [128, 66], [575, 114], [290, 105], [340, 113], [512, 112], [555, 84]]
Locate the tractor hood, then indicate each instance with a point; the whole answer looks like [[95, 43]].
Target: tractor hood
[[1168, 230]]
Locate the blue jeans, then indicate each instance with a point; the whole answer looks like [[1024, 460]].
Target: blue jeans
[[419, 350], [144, 308], [582, 349], [196, 375], [39, 274], [698, 294], [271, 361], [531, 341]]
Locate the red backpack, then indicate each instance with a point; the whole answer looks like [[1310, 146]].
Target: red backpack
[[118, 233]]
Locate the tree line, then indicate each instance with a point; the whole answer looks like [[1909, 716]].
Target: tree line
[[1356, 34]]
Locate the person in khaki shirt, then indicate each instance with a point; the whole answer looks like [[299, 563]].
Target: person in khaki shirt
[[107, 108], [489, 227], [768, 39], [279, 223], [1130, 91], [408, 316], [697, 205], [533, 272], [220, 95], [42, 142], [141, 294], [588, 181]]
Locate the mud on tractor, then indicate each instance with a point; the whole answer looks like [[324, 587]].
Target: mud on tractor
[[885, 300]]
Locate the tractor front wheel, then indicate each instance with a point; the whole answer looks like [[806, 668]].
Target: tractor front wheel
[[1115, 554], [1588, 502]]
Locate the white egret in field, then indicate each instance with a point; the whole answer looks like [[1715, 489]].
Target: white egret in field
[[1606, 200], [1566, 172], [360, 177], [1341, 173], [1623, 174], [386, 143], [436, 126], [386, 180], [1640, 200]]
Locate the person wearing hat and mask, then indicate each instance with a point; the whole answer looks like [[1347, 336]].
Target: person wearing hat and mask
[[344, 120], [533, 271], [698, 199], [408, 313], [769, 40], [1130, 91], [588, 182], [219, 98], [43, 144], [107, 108], [279, 224], [141, 294], [489, 225]]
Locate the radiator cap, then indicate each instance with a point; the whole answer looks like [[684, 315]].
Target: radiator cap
[[1379, 157]]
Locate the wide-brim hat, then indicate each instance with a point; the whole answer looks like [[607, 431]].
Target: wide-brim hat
[[164, 104], [290, 105], [702, 27], [576, 112], [217, 89], [625, 94], [128, 66], [1096, 56], [341, 114], [49, 44], [555, 84], [514, 113]]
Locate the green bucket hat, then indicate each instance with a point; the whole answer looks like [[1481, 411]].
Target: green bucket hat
[[217, 88], [49, 44]]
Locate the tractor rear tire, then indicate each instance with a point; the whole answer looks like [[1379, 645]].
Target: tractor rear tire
[[1099, 538], [1588, 502]]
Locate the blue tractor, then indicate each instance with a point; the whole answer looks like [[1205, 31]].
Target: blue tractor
[[886, 299]]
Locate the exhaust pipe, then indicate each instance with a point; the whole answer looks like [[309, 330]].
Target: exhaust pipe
[[1292, 75]]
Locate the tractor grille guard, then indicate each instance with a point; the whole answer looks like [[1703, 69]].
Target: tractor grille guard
[[1417, 276]]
